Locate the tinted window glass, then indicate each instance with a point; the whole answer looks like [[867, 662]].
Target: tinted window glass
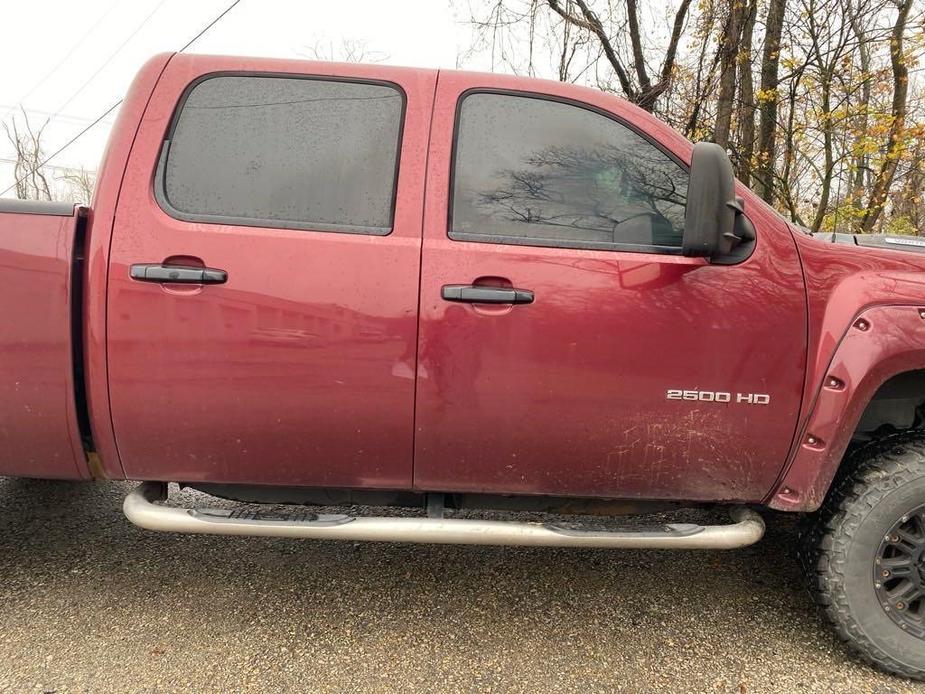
[[286, 152], [543, 172]]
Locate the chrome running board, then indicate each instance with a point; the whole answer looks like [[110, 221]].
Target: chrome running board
[[142, 509]]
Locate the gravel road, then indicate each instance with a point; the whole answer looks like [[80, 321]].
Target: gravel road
[[90, 603]]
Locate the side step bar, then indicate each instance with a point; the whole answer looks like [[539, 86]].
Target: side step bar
[[142, 509]]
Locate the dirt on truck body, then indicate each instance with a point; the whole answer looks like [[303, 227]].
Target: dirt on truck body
[[306, 284]]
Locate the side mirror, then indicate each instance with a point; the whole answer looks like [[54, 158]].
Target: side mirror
[[713, 211]]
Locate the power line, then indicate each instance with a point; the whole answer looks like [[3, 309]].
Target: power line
[[109, 58], [53, 167], [61, 62], [66, 145], [115, 105], [61, 116], [209, 26]]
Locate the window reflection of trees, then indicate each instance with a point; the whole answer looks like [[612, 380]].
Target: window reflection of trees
[[590, 191]]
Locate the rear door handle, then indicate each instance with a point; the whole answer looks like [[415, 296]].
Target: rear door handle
[[177, 274], [478, 294]]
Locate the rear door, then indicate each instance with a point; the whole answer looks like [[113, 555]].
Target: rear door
[[620, 368], [263, 284]]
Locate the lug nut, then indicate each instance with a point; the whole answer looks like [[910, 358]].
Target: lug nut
[[885, 573], [900, 606], [861, 324]]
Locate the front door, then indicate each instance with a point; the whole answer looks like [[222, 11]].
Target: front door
[[296, 195], [621, 368]]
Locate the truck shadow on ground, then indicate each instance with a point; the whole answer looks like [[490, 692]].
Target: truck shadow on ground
[[81, 582]]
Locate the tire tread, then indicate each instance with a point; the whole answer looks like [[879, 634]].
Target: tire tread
[[869, 474]]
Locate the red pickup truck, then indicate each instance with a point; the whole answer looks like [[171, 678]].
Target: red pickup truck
[[319, 284]]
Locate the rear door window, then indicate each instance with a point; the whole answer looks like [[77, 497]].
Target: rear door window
[[303, 153]]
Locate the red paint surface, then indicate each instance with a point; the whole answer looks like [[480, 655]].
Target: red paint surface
[[96, 271], [568, 395], [38, 427], [299, 370], [844, 282]]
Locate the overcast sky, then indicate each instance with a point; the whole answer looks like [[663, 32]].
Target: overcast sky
[[75, 58]]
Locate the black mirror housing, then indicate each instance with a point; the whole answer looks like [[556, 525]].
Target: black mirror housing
[[712, 207]]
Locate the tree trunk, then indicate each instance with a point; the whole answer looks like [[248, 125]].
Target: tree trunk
[[746, 98], [827, 126], [787, 175], [729, 50], [767, 103], [861, 163], [642, 91], [887, 170]]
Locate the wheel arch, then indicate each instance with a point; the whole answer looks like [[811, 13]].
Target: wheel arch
[[880, 354]]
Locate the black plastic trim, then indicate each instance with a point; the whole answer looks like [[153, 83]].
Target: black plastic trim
[[748, 237], [475, 294], [44, 207], [562, 243], [78, 261], [160, 193], [176, 274]]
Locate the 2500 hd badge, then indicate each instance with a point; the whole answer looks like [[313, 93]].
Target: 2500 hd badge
[[719, 396]]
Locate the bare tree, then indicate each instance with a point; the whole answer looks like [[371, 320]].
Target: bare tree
[[637, 85], [704, 75], [746, 101], [80, 184], [581, 28], [346, 51], [894, 143], [812, 97], [31, 182], [861, 156], [768, 99], [729, 43]]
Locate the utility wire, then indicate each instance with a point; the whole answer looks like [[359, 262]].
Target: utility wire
[[40, 112], [53, 167], [115, 105], [209, 26], [57, 152], [108, 59], [61, 62]]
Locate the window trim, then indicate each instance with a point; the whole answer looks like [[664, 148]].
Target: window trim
[[502, 239], [160, 182]]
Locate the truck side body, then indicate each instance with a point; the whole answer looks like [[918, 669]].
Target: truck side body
[[330, 359], [311, 284]]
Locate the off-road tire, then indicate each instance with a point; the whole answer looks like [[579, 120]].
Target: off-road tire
[[878, 484]]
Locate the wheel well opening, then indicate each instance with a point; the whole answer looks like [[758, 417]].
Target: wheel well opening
[[898, 405]]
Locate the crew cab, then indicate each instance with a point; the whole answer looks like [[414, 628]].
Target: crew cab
[[315, 284]]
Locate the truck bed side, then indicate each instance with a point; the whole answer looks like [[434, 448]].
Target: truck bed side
[[39, 432]]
